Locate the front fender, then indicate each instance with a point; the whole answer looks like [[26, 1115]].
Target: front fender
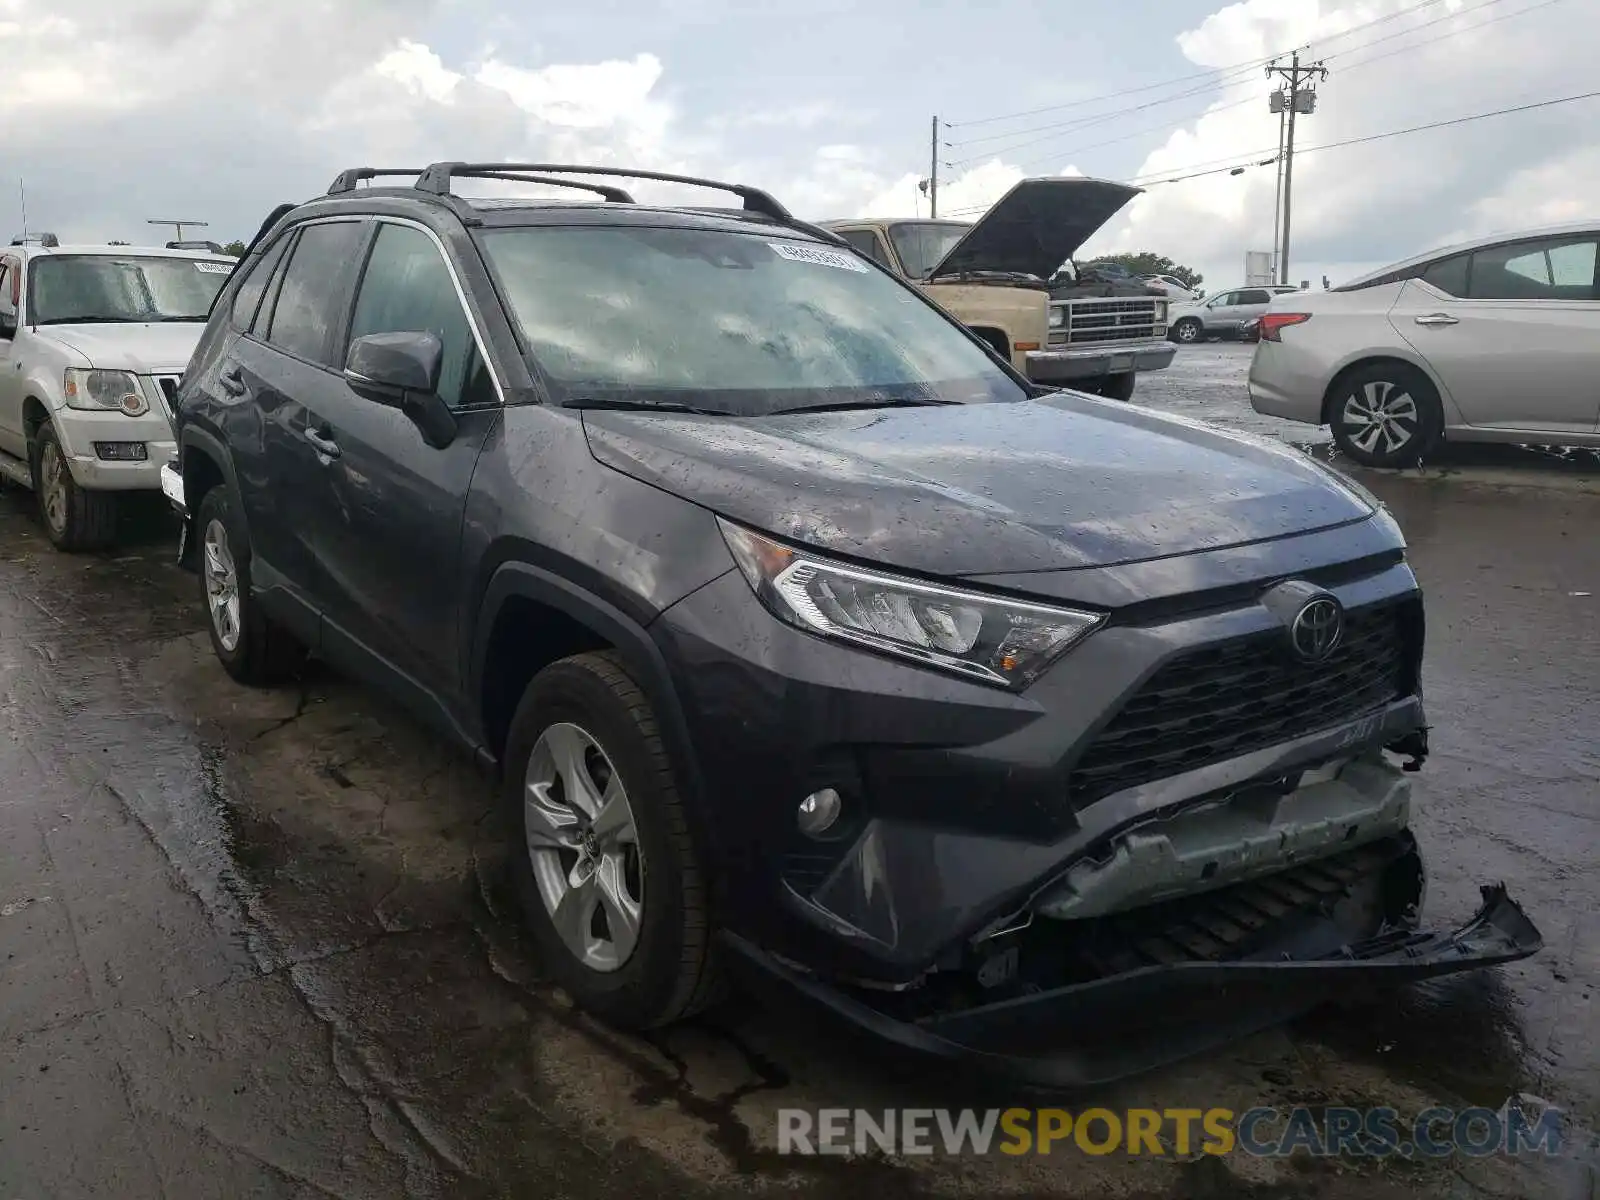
[[639, 651]]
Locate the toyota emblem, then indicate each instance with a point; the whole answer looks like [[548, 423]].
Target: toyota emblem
[[1317, 629]]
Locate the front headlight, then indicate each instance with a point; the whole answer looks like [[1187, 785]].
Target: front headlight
[[1058, 316], [105, 390], [987, 638]]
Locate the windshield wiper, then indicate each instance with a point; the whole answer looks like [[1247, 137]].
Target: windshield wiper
[[598, 404], [161, 320], [90, 321], [868, 402]]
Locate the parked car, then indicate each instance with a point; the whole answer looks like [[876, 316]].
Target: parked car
[[92, 341], [995, 276], [1223, 314], [1496, 340], [806, 636], [1174, 288]]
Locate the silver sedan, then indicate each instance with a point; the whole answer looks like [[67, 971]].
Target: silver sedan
[[1496, 340]]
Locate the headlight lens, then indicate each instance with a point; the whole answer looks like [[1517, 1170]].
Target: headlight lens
[[1058, 316], [987, 638], [105, 390]]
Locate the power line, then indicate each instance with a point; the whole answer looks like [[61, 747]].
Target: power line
[[1346, 68], [1149, 87], [1150, 181], [1235, 164]]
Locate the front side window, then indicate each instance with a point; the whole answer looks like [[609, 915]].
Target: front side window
[[73, 289], [407, 289], [311, 298], [9, 293], [922, 245], [746, 324], [1552, 269], [1224, 300]]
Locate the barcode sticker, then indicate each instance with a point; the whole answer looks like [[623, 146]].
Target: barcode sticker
[[817, 256], [214, 268]]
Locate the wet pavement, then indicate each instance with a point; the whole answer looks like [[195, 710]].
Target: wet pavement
[[256, 943]]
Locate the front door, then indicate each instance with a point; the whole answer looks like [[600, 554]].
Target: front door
[[389, 535], [1513, 332]]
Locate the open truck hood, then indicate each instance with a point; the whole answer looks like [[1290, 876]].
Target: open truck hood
[[1036, 226]]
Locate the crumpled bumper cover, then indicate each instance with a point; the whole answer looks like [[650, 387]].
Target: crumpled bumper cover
[[1093, 1033]]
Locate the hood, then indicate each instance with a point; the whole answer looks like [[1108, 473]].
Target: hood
[[1036, 226], [162, 348], [1057, 483]]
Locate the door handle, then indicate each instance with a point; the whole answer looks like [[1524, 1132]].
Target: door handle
[[232, 381], [1438, 319], [323, 444]]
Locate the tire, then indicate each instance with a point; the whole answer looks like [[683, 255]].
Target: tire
[[74, 519], [1187, 331], [1406, 401], [1117, 387], [587, 712], [252, 648]]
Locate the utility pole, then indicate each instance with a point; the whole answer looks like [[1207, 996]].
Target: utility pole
[[933, 172], [1300, 100], [1277, 195], [22, 190]]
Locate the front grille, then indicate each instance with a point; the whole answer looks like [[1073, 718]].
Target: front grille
[[1089, 322], [1246, 694]]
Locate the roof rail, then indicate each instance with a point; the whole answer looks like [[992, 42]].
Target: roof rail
[[610, 194], [436, 179], [346, 180]]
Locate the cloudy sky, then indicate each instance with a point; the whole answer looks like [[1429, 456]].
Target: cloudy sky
[[118, 111]]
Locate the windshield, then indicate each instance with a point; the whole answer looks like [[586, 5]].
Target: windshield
[[749, 324], [923, 244], [67, 289]]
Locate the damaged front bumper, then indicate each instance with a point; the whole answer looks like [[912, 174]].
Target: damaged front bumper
[[1127, 992]]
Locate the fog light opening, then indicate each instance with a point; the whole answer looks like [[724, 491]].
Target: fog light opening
[[819, 812]]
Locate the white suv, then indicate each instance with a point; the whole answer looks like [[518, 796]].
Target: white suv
[[92, 342]]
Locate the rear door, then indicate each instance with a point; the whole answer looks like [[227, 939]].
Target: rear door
[[11, 438], [1513, 332], [1250, 303], [284, 366], [390, 535]]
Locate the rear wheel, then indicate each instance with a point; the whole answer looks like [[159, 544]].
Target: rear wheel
[[1386, 415], [1186, 331], [74, 519], [607, 874], [250, 646]]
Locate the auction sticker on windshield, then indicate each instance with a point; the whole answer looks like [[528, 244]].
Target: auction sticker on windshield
[[817, 256], [211, 268]]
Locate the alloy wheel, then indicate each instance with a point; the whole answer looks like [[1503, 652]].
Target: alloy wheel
[[1381, 417], [53, 486], [1187, 331], [584, 847], [222, 585]]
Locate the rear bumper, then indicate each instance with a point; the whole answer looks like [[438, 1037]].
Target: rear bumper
[[1093, 1033], [1092, 362]]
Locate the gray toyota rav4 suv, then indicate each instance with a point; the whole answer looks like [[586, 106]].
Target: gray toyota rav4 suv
[[805, 637]]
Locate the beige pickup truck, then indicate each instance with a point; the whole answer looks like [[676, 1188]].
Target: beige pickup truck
[[1001, 278]]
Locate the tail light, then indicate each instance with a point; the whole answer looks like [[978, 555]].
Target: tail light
[[1272, 322]]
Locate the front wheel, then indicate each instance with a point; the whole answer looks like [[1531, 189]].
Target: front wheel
[[1386, 415], [74, 518], [607, 872], [1186, 331]]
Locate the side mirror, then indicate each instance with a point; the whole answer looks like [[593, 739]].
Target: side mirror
[[401, 370]]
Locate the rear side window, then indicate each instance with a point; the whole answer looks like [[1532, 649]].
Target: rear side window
[[407, 289], [1551, 269], [315, 290], [248, 298], [1449, 275], [1254, 297]]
